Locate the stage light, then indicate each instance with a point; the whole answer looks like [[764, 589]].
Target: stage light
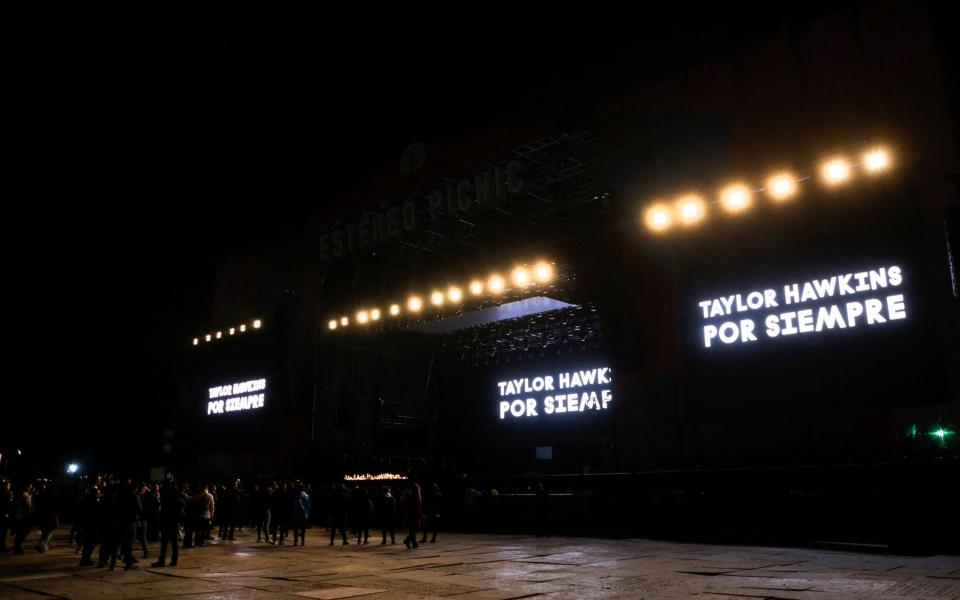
[[332, 324], [232, 330], [436, 298], [375, 314], [454, 294], [219, 334], [520, 277], [736, 198], [72, 468], [243, 328], [782, 186], [476, 287], [543, 271], [691, 209], [362, 317], [876, 160], [196, 341], [658, 218], [496, 284], [256, 324], [208, 337], [394, 309], [835, 171], [414, 304], [344, 321]]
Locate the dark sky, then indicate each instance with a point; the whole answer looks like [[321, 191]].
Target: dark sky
[[140, 146]]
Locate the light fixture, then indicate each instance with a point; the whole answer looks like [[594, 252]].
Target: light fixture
[[476, 287], [375, 314], [736, 198], [207, 337], [344, 321], [233, 330], [543, 271], [496, 284], [394, 309], [256, 324], [835, 171], [362, 317], [782, 186], [196, 341], [436, 298], [219, 334], [414, 304], [876, 160], [690, 209], [520, 277], [243, 328], [658, 218], [72, 468], [332, 324], [454, 294]]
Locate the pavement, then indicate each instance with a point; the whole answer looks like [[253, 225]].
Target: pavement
[[486, 567]]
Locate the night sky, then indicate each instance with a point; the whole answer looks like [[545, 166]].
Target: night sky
[[141, 146]]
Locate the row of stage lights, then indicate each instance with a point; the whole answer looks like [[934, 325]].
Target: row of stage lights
[[522, 276], [241, 328], [691, 209]]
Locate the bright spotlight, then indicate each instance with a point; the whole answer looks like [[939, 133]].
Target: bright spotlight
[[208, 337], [520, 277], [691, 209], [394, 309], [454, 294], [219, 334], [414, 304], [496, 284], [476, 287], [72, 468], [736, 198], [876, 160], [835, 171], [782, 186], [344, 321], [332, 324], [375, 314], [243, 328], [256, 324], [543, 271], [232, 330], [196, 341], [658, 218], [436, 298], [362, 317]]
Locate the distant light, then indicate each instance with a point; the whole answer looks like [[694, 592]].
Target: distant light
[[375, 314], [344, 321], [436, 298], [496, 284], [543, 271], [243, 328], [835, 171], [736, 198], [332, 324], [232, 330], [876, 160], [658, 218], [414, 304], [454, 294], [219, 334], [476, 287], [782, 186], [362, 317], [520, 277], [208, 337], [19, 453], [394, 309], [73, 468], [691, 209], [196, 341], [256, 324]]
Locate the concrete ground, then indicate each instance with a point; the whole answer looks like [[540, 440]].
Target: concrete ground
[[494, 567]]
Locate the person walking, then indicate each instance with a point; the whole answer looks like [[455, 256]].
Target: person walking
[[413, 515], [280, 507], [23, 517], [151, 513], [127, 512], [6, 513], [206, 507], [431, 507], [338, 513], [261, 510], [387, 515], [361, 513], [45, 505], [87, 520], [173, 510], [229, 511], [300, 514]]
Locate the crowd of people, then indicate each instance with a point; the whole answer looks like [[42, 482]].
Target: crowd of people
[[115, 517]]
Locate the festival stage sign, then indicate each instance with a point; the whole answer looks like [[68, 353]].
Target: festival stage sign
[[845, 301], [234, 397], [562, 393]]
